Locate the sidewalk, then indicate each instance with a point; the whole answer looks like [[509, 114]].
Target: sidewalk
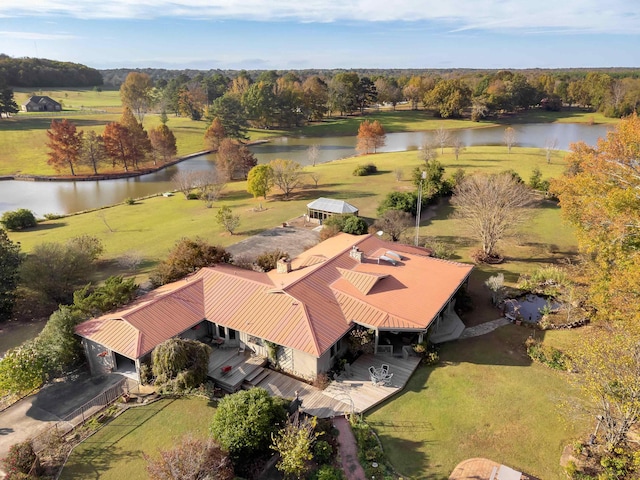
[[348, 450]]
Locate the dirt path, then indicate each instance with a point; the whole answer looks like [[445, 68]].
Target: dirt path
[[348, 450]]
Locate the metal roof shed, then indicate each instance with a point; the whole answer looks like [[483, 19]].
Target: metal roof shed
[[323, 208]]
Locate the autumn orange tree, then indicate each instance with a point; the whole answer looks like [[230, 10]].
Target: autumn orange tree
[[600, 196], [214, 135], [136, 93], [163, 143], [371, 136], [64, 145], [139, 143], [126, 142], [234, 160]]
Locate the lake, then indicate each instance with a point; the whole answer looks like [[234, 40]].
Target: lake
[[74, 196]]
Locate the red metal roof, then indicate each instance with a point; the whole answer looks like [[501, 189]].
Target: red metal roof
[[308, 309]]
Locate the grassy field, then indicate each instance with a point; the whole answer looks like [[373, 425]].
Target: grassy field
[[153, 225], [23, 137], [485, 399], [115, 451]]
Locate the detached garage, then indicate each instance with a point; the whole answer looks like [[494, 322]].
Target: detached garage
[[323, 208]]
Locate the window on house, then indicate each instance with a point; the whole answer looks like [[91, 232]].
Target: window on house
[[221, 332], [335, 348], [232, 334]]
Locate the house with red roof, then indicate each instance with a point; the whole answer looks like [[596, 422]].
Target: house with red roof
[[307, 307]]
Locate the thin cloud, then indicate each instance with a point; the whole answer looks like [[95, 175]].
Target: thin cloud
[[36, 36], [616, 16]]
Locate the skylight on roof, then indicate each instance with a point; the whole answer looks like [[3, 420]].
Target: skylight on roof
[[387, 259], [394, 255]]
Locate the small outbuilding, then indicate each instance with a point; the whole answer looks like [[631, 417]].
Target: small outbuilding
[[323, 208], [39, 103]]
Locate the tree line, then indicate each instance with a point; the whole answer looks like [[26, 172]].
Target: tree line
[[42, 72], [271, 99]]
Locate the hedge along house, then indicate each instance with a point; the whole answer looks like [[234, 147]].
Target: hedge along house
[[323, 208], [306, 307]]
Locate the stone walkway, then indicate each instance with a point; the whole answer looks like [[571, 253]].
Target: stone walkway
[[348, 450], [483, 328]]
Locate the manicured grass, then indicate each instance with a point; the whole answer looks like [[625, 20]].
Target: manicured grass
[[485, 399], [115, 451], [14, 334], [75, 98], [153, 225]]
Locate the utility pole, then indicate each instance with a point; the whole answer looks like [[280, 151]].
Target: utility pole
[[423, 176]]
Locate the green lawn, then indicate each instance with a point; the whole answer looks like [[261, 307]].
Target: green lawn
[[115, 451], [485, 399]]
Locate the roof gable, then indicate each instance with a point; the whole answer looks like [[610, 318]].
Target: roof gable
[[332, 205], [363, 281]]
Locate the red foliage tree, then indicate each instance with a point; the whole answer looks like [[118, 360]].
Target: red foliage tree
[[64, 145], [163, 142], [371, 136], [214, 135]]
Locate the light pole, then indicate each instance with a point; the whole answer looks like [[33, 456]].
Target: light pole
[[423, 176]]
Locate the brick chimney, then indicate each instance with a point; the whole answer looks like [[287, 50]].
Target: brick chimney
[[283, 265], [356, 254]]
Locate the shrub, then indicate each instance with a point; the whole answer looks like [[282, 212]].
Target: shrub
[[53, 216], [245, 421], [187, 257], [406, 202], [364, 170], [322, 451], [193, 196], [180, 364], [327, 472], [547, 355], [268, 261], [20, 459], [18, 219], [321, 381], [130, 201], [346, 223]]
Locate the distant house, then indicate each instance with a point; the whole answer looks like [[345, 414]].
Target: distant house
[[41, 104], [308, 307], [322, 208]]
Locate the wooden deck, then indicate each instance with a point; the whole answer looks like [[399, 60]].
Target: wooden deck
[[242, 366], [358, 389], [355, 393]]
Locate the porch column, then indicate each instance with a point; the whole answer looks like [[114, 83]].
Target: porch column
[[420, 337], [375, 348]]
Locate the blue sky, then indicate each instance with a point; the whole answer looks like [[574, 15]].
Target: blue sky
[[296, 34]]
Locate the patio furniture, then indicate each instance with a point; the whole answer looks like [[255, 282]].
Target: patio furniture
[[380, 375], [226, 369], [241, 348]]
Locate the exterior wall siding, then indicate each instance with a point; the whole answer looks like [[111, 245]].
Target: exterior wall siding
[[97, 364]]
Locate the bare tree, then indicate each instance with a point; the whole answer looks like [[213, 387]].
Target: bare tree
[[191, 459], [428, 150], [458, 146], [287, 175], [313, 153], [442, 137], [550, 145], [211, 184], [510, 137], [492, 206], [398, 173], [315, 176], [394, 223], [131, 260], [185, 180]]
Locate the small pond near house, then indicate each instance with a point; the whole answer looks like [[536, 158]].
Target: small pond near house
[[529, 307]]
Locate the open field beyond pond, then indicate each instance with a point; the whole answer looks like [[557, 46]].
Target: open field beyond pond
[[23, 137], [115, 451], [484, 399], [153, 225]]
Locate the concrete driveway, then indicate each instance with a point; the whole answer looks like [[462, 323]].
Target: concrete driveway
[[290, 239], [35, 413]]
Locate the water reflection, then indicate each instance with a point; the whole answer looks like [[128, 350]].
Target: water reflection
[[67, 197]]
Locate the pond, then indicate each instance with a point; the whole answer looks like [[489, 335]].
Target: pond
[[74, 196], [529, 307]]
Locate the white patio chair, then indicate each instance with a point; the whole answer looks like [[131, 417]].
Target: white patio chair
[[384, 370]]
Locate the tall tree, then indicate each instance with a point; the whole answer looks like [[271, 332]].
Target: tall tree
[[136, 93], [229, 110], [8, 105], [441, 135], [260, 181], [371, 136], [600, 196], [139, 145], [449, 98], [343, 92], [64, 145], [287, 175], [510, 138], [315, 97], [234, 160], [214, 135], [259, 101], [163, 143], [92, 152], [394, 223], [117, 143], [10, 260], [491, 206]]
